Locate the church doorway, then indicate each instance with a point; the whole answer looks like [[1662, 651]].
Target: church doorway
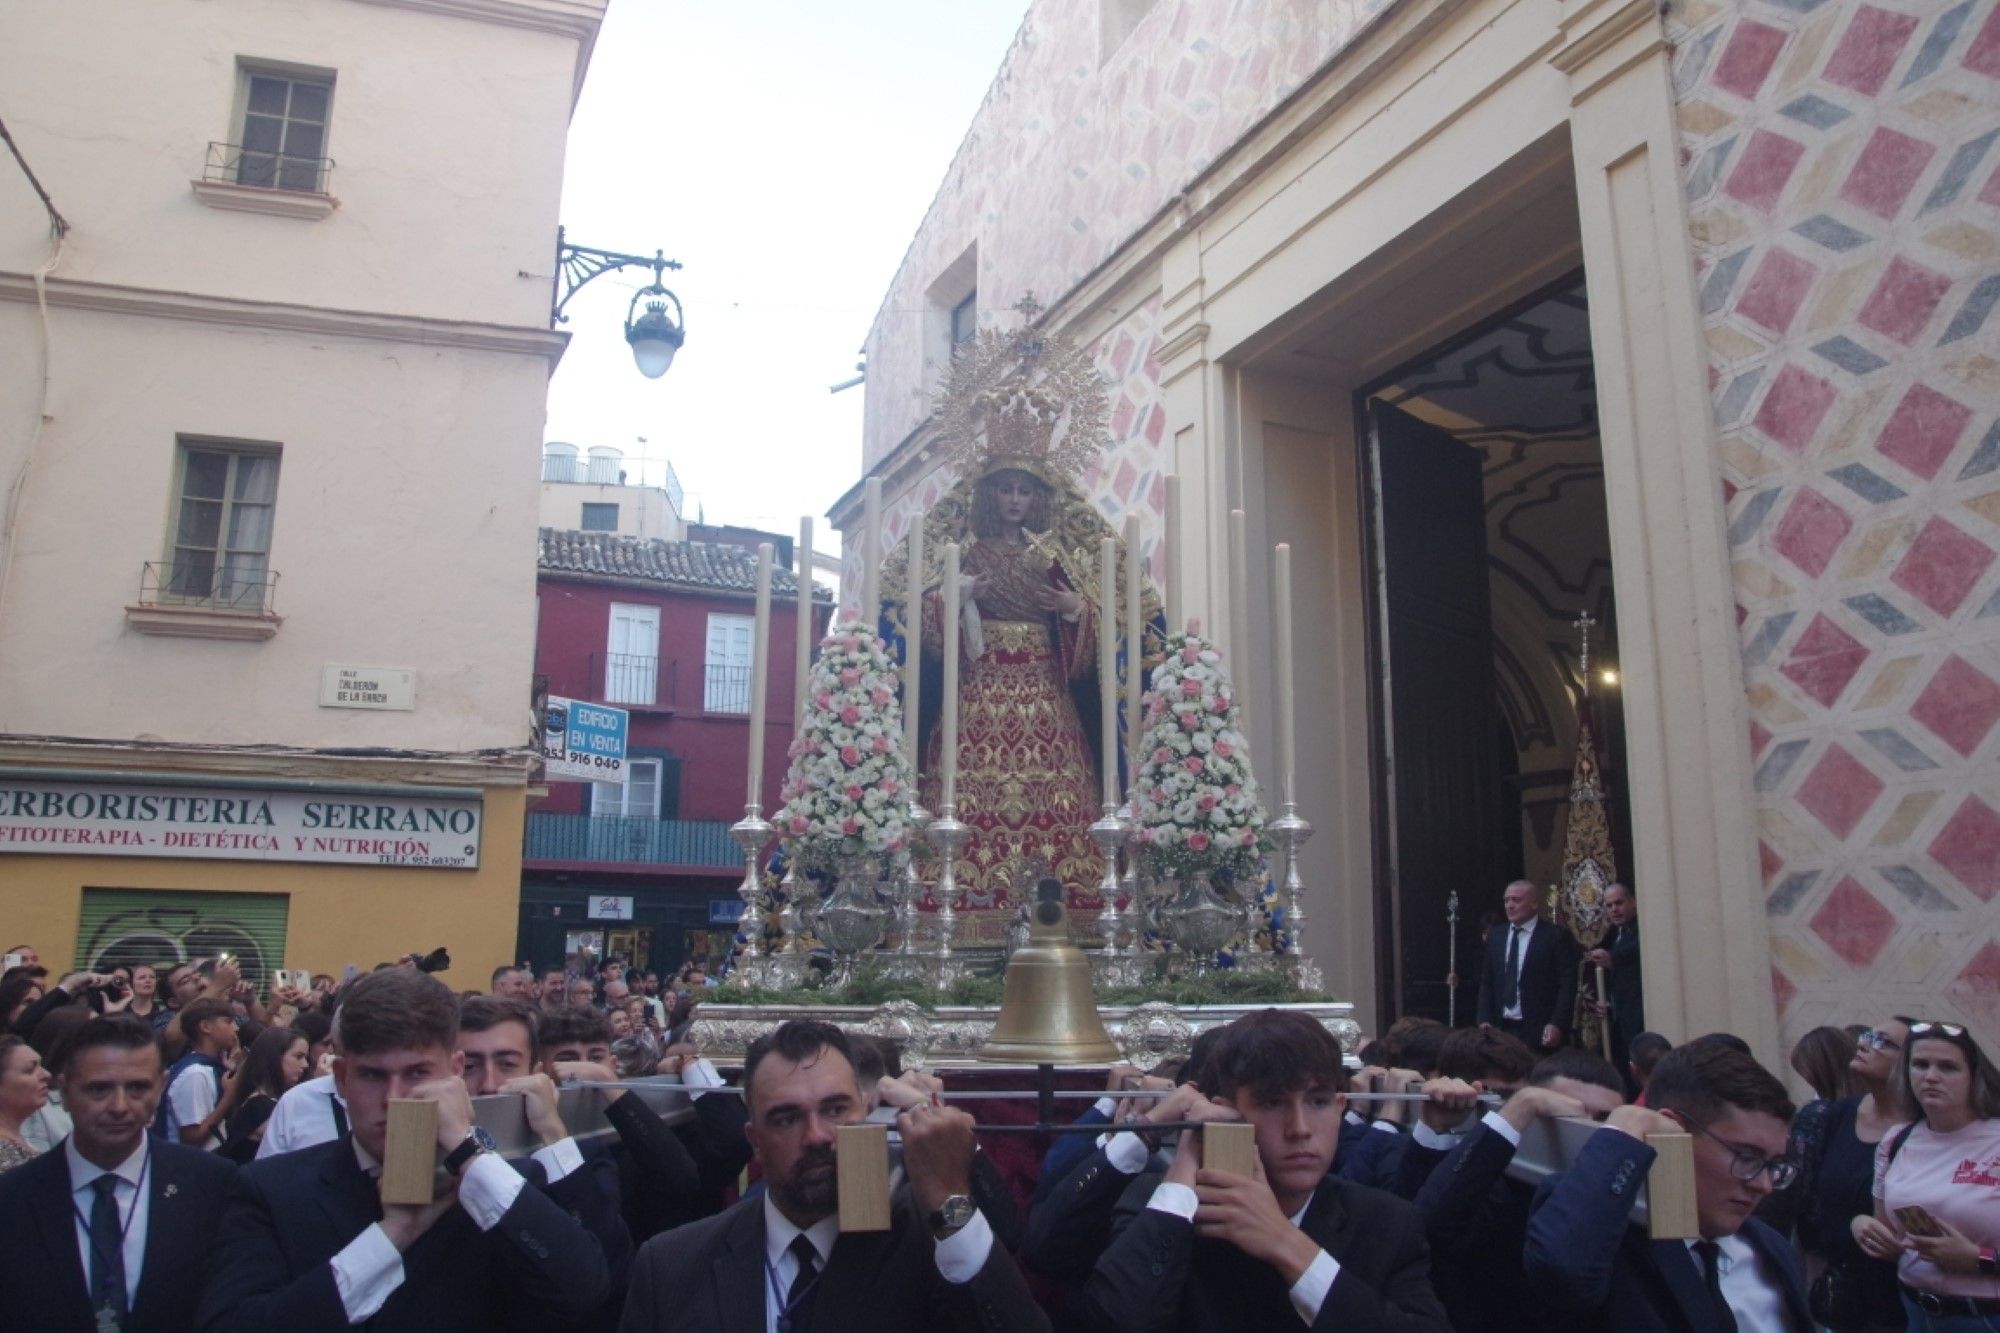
[[1486, 539]]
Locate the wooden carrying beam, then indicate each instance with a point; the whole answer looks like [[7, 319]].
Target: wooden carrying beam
[[1229, 1145], [861, 1165], [409, 1161], [1665, 1203]]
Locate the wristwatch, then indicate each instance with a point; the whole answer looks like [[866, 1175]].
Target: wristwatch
[[476, 1141], [955, 1212], [1989, 1262]]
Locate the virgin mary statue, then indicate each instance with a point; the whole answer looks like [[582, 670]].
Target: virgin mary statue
[[1021, 416]]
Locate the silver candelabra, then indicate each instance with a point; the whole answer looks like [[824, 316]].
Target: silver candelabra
[[1290, 831], [753, 834], [946, 836]]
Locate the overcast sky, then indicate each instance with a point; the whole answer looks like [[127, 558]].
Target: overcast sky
[[785, 152]]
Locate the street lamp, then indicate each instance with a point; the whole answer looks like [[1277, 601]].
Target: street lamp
[[654, 336]]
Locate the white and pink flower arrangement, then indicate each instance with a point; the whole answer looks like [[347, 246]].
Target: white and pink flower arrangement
[[847, 792], [1195, 799]]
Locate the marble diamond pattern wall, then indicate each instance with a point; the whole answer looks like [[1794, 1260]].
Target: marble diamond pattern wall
[[1842, 169], [1077, 147]]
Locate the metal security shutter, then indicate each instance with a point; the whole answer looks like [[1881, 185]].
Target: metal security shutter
[[167, 926]]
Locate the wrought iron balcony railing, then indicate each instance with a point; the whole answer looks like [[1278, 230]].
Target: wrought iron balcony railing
[[726, 689], [619, 840], [233, 164], [203, 584], [631, 678]]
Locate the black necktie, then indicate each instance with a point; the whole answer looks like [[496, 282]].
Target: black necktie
[[1512, 995], [1711, 1276], [107, 1248], [799, 1299]]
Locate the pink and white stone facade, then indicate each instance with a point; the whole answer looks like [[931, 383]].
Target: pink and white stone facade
[[1841, 164]]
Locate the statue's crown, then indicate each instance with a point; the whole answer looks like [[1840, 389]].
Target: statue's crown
[[1023, 400]]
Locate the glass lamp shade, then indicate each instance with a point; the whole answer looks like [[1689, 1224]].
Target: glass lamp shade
[[654, 338]]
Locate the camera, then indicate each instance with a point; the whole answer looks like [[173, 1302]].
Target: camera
[[437, 960]]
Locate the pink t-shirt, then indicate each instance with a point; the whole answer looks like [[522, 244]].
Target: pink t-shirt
[[1957, 1177]]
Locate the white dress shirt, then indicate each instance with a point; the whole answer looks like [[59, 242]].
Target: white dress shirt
[[1308, 1293], [303, 1117], [370, 1268], [1527, 929], [960, 1255], [131, 1203], [1752, 1293]]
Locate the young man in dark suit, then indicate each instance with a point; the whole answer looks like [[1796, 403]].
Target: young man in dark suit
[[307, 1243], [1527, 976], [1473, 1213], [1207, 1250], [113, 1228], [1739, 1274], [779, 1263]]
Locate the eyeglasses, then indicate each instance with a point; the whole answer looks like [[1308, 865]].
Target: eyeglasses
[[1877, 1039], [1746, 1163], [1948, 1029]]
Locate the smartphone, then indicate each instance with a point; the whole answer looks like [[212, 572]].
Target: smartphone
[[350, 972], [8, 962], [1917, 1221]]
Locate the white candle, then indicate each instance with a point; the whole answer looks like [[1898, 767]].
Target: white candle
[[1287, 754], [760, 671], [1135, 671], [871, 552], [1107, 662], [913, 643], [1239, 611], [949, 703], [1170, 560], [803, 648]]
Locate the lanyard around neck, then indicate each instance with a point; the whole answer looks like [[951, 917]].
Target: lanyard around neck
[[131, 1209]]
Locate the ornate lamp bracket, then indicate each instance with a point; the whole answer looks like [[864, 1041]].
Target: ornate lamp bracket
[[576, 265]]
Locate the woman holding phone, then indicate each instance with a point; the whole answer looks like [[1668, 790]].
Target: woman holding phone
[[1937, 1199]]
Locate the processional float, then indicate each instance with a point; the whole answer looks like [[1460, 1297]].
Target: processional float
[[855, 835]]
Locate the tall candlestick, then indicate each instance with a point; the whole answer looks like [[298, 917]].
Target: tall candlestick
[[949, 703], [803, 649], [1287, 752], [760, 671], [1135, 669], [871, 552], [913, 643], [1107, 662], [1239, 612], [1170, 561]]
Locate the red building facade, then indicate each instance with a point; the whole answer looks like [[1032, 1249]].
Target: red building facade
[[662, 629]]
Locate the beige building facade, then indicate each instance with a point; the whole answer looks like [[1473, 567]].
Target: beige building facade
[[1702, 296], [267, 549]]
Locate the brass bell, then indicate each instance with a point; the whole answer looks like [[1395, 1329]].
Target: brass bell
[[1048, 1013]]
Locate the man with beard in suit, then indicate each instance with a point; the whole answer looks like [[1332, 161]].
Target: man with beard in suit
[[113, 1228], [779, 1263]]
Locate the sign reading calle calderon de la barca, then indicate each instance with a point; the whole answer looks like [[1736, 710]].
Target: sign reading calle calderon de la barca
[[237, 824]]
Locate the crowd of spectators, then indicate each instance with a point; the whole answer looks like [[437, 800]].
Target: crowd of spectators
[[180, 1150]]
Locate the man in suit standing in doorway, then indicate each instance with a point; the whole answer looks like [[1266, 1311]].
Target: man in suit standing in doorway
[[1527, 979], [1618, 955]]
